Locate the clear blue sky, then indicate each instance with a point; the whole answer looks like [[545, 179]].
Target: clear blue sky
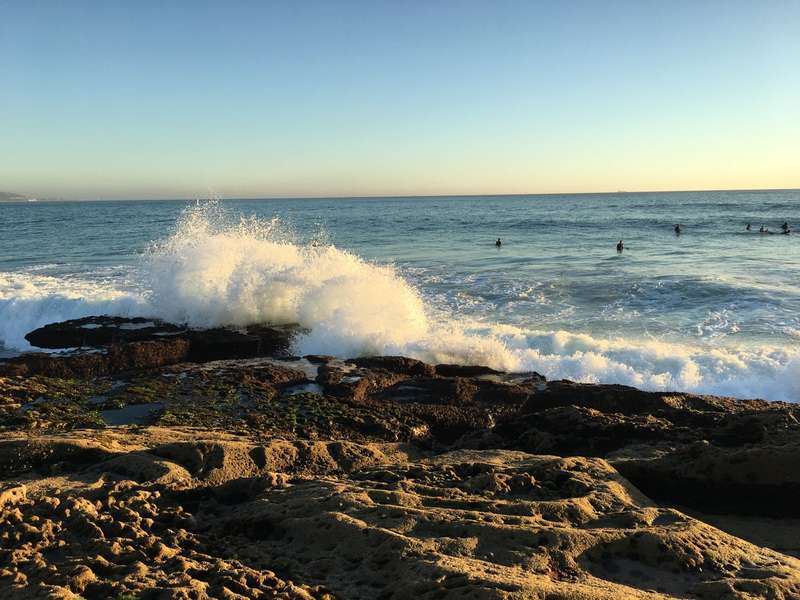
[[185, 99]]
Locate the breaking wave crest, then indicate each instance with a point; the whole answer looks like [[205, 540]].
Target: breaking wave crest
[[214, 270]]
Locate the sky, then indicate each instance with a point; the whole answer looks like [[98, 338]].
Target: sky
[[193, 99]]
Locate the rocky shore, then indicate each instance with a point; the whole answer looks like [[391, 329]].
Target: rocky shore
[[144, 460]]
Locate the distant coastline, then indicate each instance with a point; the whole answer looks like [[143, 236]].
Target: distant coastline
[[11, 197]]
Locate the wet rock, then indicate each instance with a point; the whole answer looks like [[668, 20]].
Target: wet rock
[[93, 363], [111, 345], [394, 364], [444, 370], [354, 384], [629, 401], [220, 343], [100, 331]]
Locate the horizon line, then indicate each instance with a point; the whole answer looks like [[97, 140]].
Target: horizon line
[[383, 196]]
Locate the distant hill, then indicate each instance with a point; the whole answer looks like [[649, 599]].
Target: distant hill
[[9, 197]]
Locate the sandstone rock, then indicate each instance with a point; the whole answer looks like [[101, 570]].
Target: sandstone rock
[[751, 480], [12, 495]]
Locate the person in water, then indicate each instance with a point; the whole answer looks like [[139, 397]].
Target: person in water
[[620, 246], [498, 243], [763, 230], [785, 226], [678, 229], [748, 227]]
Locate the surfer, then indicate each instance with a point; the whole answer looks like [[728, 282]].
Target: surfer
[[678, 229], [498, 243], [748, 227], [785, 226], [620, 246], [763, 230]]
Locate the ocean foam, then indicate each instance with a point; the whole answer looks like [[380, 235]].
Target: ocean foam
[[30, 300], [217, 271]]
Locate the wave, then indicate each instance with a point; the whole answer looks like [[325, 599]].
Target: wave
[[29, 301], [214, 270]]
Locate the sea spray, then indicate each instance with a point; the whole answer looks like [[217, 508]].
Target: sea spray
[[214, 271]]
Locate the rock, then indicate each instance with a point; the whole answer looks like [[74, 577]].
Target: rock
[[318, 359], [574, 430], [100, 331], [220, 343], [394, 364], [81, 577], [117, 358], [12, 495], [751, 480], [628, 400], [471, 520], [115, 345], [463, 371], [354, 384]]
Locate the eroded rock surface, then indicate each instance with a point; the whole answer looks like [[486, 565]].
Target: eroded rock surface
[[163, 515]]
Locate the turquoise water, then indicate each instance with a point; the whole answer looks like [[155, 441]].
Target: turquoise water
[[716, 309]]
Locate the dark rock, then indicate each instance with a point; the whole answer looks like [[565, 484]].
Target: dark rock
[[426, 390], [220, 344], [100, 331], [446, 424], [753, 480], [580, 431], [118, 345], [628, 400], [318, 359], [500, 392], [272, 340], [395, 364], [113, 359], [463, 370], [355, 384]]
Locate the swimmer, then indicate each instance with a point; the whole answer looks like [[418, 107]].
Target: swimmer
[[620, 246], [678, 229], [748, 227], [498, 243]]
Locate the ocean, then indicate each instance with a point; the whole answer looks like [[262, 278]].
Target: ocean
[[714, 310]]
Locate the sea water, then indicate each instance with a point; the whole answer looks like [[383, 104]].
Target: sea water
[[714, 310]]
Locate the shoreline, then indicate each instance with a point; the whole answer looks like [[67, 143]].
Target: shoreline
[[164, 463]]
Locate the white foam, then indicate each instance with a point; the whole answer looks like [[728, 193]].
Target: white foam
[[214, 271], [28, 301]]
